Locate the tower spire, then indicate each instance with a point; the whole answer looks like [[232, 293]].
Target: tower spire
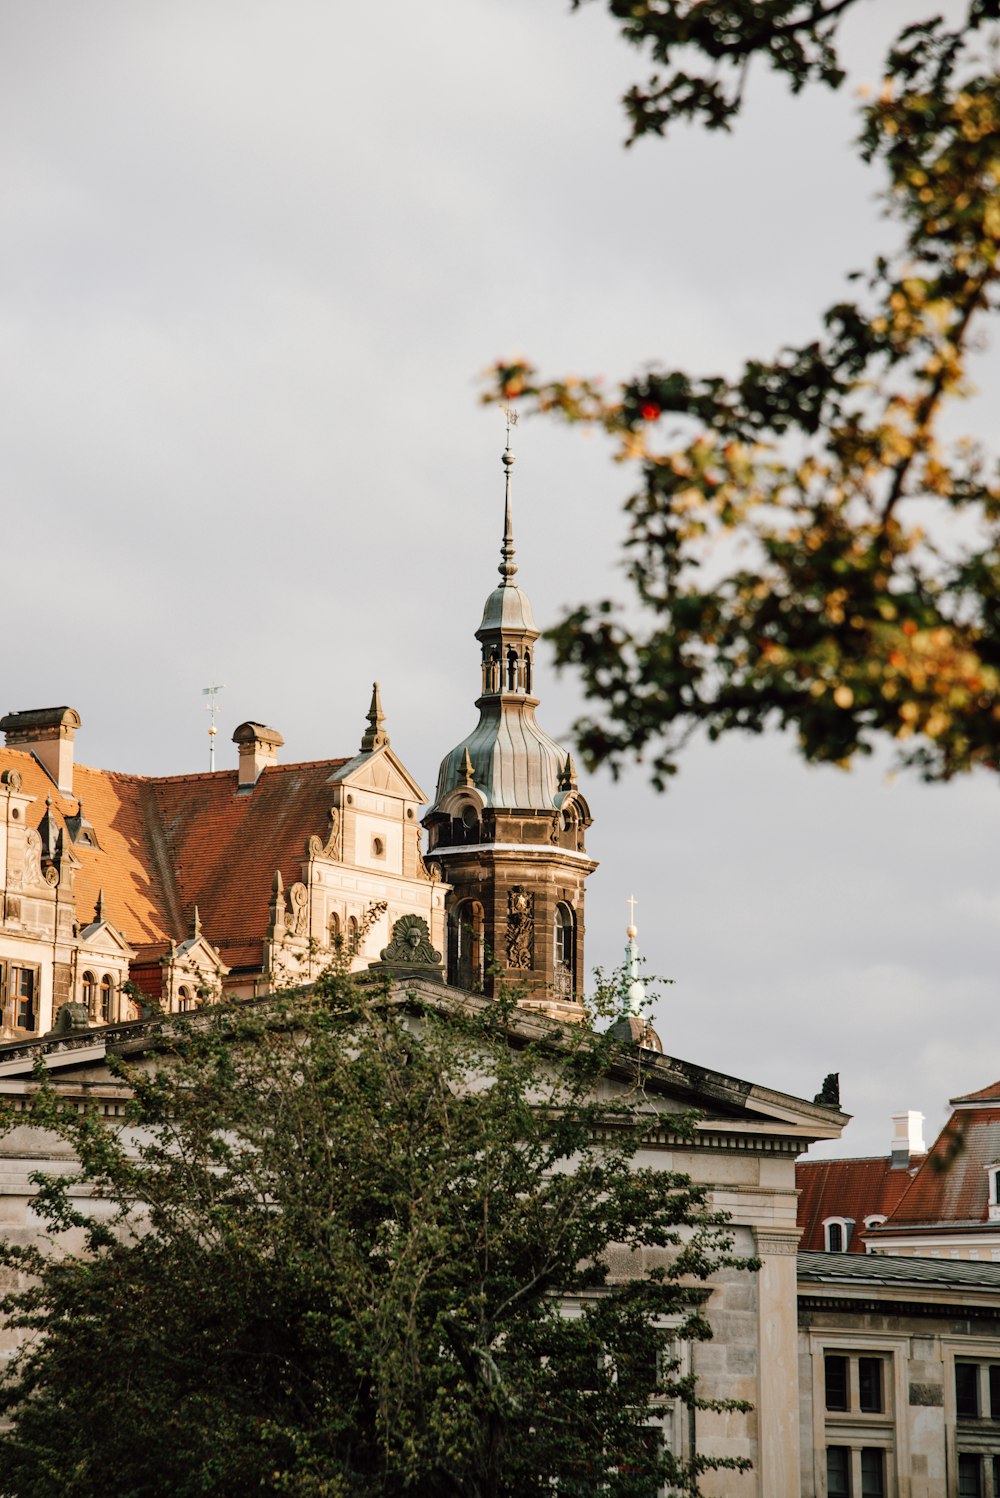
[[375, 736], [508, 566], [636, 987]]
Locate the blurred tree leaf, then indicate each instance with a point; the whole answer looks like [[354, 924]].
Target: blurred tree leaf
[[805, 547]]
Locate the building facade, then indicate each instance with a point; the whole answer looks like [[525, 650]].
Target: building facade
[[121, 892]]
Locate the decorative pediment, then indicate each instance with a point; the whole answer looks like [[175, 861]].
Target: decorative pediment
[[198, 954], [379, 771], [103, 937]]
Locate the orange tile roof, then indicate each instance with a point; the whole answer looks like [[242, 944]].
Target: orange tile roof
[[855, 1189], [167, 845], [951, 1185]]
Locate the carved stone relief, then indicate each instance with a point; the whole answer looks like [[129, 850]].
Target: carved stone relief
[[32, 870], [411, 943], [298, 919], [520, 944]]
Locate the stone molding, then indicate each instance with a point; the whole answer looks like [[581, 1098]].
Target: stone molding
[[771, 1243]]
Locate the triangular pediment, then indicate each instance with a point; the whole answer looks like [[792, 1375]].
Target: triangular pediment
[[379, 771], [101, 935], [200, 954]]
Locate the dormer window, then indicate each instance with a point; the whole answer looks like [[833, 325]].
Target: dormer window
[[837, 1234], [993, 1199]]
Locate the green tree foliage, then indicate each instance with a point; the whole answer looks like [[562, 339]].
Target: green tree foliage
[[354, 1244], [805, 547]]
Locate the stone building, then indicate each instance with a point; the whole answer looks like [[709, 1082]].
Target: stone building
[[121, 891], [899, 1377]]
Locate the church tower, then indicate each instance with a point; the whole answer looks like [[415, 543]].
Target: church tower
[[508, 822]]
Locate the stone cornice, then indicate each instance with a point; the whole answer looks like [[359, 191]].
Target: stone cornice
[[527, 850]]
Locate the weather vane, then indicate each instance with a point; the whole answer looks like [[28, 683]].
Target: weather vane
[[212, 707], [511, 416]]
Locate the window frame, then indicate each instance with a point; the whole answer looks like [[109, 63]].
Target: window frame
[[11, 1000], [106, 999], [887, 1430], [846, 1225]]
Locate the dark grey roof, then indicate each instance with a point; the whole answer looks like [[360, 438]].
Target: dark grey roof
[[883, 1269], [515, 763]]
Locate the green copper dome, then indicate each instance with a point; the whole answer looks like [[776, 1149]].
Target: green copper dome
[[511, 762]]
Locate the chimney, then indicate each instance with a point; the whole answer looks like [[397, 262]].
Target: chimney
[[47, 733], [907, 1139], [258, 748]]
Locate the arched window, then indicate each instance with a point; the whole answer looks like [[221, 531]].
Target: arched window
[[494, 672], [334, 932], [564, 948], [470, 824], [527, 670], [107, 998], [184, 999], [837, 1234], [466, 952], [353, 936], [512, 670], [89, 994]]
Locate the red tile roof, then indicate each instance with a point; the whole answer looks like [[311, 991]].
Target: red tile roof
[[855, 1189], [989, 1094], [951, 1185], [169, 844]]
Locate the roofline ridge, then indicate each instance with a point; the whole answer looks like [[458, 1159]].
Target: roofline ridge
[[192, 774]]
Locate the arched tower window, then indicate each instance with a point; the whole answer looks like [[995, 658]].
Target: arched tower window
[[466, 951], [494, 673], [527, 670], [107, 998], [89, 993], [512, 670], [563, 954], [353, 936]]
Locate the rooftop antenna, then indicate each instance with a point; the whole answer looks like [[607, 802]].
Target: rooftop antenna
[[212, 707]]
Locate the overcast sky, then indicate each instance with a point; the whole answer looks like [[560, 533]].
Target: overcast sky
[[254, 254]]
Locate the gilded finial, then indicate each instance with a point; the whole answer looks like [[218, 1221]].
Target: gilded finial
[[470, 774], [508, 566], [375, 735]]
